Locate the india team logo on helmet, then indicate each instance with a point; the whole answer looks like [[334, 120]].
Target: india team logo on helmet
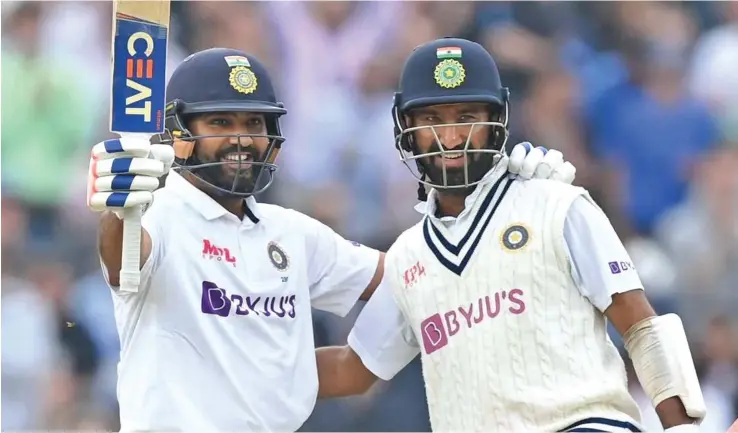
[[243, 79], [449, 73]]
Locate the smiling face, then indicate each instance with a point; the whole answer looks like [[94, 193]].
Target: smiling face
[[446, 138], [231, 142]]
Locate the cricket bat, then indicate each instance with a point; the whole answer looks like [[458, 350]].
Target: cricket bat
[[139, 54]]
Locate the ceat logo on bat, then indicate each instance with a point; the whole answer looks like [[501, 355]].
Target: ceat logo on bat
[[139, 76]]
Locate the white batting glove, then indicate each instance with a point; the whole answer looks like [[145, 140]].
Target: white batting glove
[[540, 163], [125, 172]]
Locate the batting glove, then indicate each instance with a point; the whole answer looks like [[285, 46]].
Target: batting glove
[[124, 172], [540, 163]]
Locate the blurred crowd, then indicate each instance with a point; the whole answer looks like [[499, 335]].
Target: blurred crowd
[[641, 96]]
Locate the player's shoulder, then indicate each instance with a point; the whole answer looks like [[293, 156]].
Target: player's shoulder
[[407, 242], [287, 219], [411, 234], [275, 212]]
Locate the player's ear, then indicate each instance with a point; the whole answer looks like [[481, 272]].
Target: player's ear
[[182, 148], [408, 120]]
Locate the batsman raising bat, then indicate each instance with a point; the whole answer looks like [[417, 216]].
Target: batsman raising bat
[[218, 335], [506, 285]]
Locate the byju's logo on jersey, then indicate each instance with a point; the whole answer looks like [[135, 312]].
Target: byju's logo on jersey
[[212, 252], [618, 267], [217, 301], [437, 330]]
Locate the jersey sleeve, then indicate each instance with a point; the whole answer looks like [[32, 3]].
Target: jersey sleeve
[[381, 336], [338, 270], [153, 228], [600, 265]]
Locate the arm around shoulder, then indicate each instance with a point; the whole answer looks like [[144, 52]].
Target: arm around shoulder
[[341, 372], [380, 345]]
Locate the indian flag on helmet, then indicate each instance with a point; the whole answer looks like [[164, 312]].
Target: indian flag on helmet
[[448, 53]]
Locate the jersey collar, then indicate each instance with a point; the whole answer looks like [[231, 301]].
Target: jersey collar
[[428, 207], [204, 204]]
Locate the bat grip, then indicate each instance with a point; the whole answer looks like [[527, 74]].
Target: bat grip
[[130, 273]]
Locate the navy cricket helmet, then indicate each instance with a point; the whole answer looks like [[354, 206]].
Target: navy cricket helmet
[[219, 80], [442, 72]]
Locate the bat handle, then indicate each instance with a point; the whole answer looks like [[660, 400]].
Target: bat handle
[[130, 273]]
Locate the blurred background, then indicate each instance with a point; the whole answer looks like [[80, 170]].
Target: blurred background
[[641, 96]]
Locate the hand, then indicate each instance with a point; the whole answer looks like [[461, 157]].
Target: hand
[[540, 163], [124, 173]]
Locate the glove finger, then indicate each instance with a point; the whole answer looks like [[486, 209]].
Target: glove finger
[[119, 147], [142, 166], [126, 182], [565, 172], [118, 200], [552, 159], [531, 162], [163, 153], [517, 156]]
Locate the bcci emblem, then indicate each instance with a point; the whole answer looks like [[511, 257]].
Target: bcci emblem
[[243, 79], [515, 237], [278, 258], [449, 73]]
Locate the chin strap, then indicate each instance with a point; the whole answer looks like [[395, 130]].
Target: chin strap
[[422, 194]]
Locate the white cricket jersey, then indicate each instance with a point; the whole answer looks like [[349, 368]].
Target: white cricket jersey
[[505, 304], [220, 336]]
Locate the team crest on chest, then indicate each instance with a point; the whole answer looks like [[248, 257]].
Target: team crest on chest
[[278, 257], [515, 237]]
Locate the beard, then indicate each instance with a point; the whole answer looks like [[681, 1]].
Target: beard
[[230, 176], [477, 164]]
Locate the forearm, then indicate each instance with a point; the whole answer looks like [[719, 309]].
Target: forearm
[[671, 412], [341, 372], [663, 363]]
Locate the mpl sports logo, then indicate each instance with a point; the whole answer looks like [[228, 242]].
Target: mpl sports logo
[[212, 252], [413, 274], [436, 330]]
